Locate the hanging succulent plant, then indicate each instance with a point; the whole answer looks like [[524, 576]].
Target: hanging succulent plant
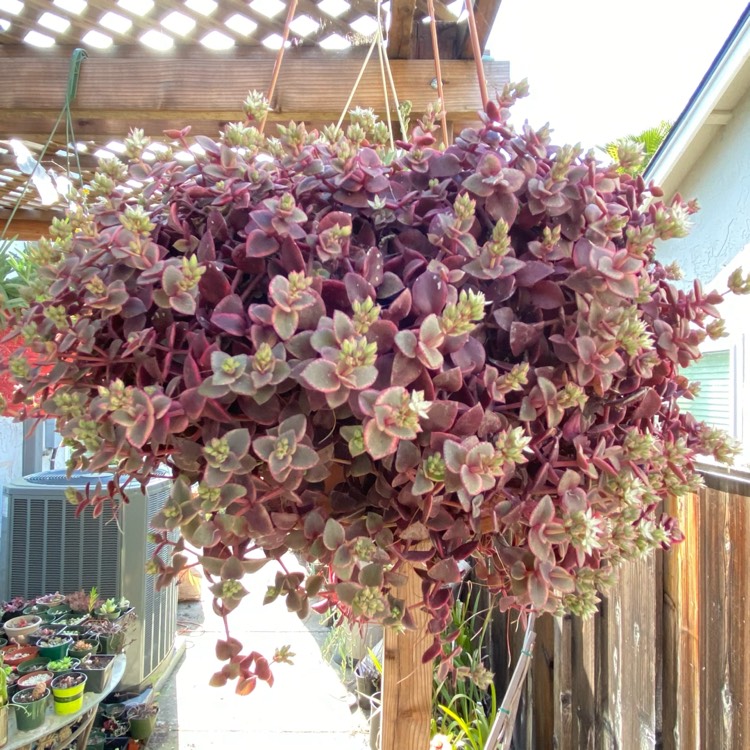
[[375, 358]]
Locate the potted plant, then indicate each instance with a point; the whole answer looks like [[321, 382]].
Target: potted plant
[[71, 620], [55, 647], [3, 705], [83, 602], [15, 655], [58, 610], [110, 634], [32, 665], [84, 647], [58, 666], [141, 719], [98, 669], [18, 627], [31, 679], [385, 362], [67, 692], [52, 600], [110, 610], [12, 608], [30, 706]]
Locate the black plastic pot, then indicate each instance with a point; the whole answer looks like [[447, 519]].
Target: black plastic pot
[[97, 678]]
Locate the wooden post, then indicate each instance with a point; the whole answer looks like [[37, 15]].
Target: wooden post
[[407, 683]]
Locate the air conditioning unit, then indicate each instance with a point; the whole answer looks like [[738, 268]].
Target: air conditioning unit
[[45, 548]]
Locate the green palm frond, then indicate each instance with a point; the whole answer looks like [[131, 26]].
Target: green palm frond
[[649, 140]]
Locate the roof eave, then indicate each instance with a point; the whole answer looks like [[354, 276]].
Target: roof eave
[[683, 146]]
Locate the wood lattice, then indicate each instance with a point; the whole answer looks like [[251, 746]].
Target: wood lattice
[[214, 24], [160, 29]]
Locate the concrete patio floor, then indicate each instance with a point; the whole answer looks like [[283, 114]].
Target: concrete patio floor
[[308, 707]]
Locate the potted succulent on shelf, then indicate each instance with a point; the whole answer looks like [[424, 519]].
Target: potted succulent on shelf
[[52, 600], [30, 706], [55, 647], [71, 619], [141, 719], [3, 705], [18, 628], [12, 608], [110, 634], [65, 664], [67, 692], [98, 669], [32, 665], [15, 655], [110, 610], [380, 360], [83, 647], [31, 679], [83, 602]]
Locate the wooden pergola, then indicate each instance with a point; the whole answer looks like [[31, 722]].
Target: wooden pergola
[[170, 64]]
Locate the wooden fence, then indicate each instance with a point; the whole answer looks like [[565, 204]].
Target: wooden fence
[[666, 662]]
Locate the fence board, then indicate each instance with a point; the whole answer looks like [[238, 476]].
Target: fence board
[[665, 664], [682, 605]]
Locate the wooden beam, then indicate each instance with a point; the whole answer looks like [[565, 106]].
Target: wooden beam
[[407, 682], [485, 12], [27, 224], [119, 92], [400, 30]]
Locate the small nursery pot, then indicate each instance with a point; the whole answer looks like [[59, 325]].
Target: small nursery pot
[[141, 729], [68, 698], [71, 619], [29, 715], [112, 643], [30, 679], [59, 610], [18, 654], [32, 665], [98, 670], [80, 653], [35, 609], [74, 663], [56, 651]]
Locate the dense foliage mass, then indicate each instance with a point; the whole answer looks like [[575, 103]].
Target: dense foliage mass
[[371, 356]]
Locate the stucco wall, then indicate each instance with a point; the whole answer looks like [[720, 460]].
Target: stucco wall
[[720, 180], [718, 243]]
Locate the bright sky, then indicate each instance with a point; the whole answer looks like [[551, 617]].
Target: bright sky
[[601, 69]]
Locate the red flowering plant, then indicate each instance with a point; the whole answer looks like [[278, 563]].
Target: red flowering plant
[[374, 357]]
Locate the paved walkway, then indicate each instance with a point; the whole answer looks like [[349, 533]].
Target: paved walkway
[[308, 708]]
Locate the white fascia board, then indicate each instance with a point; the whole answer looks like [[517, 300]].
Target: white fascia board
[[699, 110]]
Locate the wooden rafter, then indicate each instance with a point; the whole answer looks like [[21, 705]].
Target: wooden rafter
[[485, 12], [400, 31], [117, 92]]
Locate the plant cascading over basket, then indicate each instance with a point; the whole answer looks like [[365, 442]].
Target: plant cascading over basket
[[375, 358]]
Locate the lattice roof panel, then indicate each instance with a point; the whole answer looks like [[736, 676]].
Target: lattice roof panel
[[215, 24]]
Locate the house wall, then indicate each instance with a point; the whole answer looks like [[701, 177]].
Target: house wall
[[720, 180], [718, 243]]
